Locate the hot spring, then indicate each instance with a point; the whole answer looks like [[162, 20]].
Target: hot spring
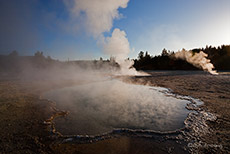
[[99, 107]]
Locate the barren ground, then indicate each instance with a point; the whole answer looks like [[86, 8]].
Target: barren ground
[[22, 113], [213, 90]]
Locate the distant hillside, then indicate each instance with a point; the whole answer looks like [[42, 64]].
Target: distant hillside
[[220, 58]]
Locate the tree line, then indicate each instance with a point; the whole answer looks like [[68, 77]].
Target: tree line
[[220, 58], [16, 63]]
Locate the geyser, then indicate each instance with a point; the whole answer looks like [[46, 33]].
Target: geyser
[[197, 59], [97, 18], [100, 107]]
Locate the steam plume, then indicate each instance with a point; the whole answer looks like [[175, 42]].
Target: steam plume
[[118, 46], [198, 60], [98, 18], [98, 14]]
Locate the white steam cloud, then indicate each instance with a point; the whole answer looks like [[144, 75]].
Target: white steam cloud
[[197, 59], [117, 45], [98, 16]]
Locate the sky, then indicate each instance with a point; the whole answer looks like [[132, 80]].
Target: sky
[[78, 29]]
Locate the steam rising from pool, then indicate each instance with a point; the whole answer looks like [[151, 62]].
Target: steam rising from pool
[[100, 107]]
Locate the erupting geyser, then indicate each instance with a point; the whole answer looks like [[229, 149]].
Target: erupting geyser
[[197, 59], [98, 16]]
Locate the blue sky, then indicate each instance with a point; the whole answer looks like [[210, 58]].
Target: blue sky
[[150, 25]]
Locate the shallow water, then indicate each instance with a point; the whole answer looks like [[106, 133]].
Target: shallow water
[[100, 107]]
